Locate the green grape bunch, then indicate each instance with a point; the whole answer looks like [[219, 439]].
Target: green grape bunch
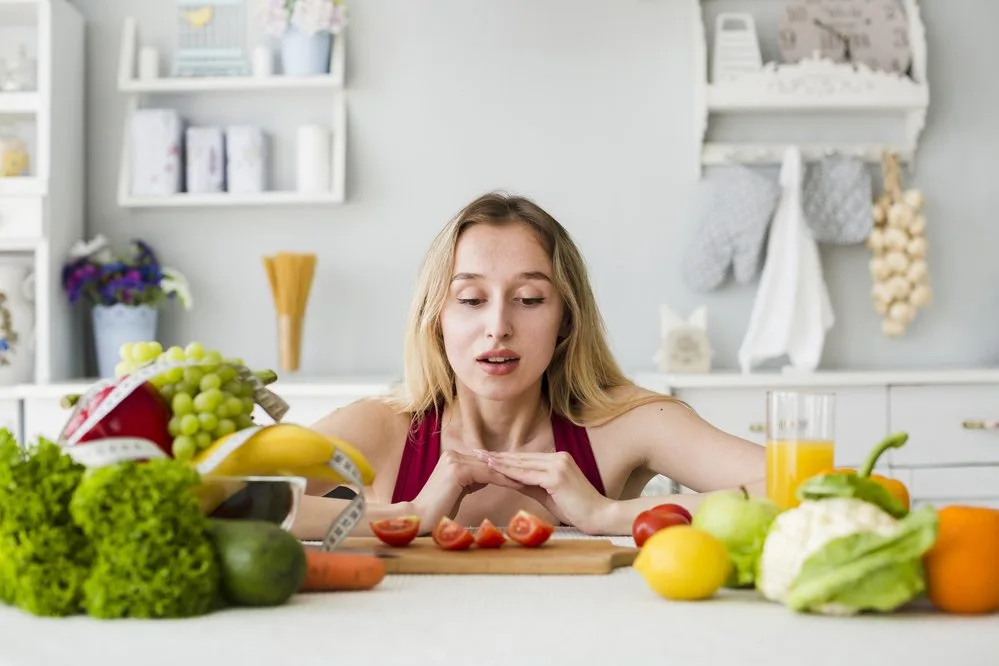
[[207, 401]]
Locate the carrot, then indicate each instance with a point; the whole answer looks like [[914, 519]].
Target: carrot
[[330, 572]]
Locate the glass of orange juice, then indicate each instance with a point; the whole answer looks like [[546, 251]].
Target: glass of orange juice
[[800, 441]]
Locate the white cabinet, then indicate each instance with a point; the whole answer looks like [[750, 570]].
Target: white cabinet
[[861, 416], [10, 416], [41, 211], [43, 417], [951, 417], [947, 424]]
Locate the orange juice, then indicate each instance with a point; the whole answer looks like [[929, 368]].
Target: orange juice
[[791, 462]]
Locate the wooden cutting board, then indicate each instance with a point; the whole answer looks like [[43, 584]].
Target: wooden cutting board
[[557, 556]]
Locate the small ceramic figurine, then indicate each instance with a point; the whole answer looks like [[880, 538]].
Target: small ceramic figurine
[[684, 343]]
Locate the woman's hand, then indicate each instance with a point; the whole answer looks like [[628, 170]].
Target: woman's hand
[[554, 480], [456, 475]]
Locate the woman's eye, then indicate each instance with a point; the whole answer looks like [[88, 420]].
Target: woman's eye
[[532, 301], [469, 301]]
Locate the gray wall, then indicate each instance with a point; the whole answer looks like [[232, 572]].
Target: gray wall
[[583, 105]]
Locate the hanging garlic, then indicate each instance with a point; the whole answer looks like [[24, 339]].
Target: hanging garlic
[[913, 198], [898, 245]]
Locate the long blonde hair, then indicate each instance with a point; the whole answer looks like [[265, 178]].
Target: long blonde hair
[[582, 376]]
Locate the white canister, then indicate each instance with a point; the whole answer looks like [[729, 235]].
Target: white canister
[[17, 324], [315, 148], [149, 64], [263, 61]]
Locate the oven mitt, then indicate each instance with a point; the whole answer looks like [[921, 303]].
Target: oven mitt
[[837, 192], [736, 205]]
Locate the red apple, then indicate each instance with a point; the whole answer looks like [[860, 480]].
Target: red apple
[[675, 508], [143, 414], [649, 522]]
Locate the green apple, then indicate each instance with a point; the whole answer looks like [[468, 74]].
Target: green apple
[[741, 522]]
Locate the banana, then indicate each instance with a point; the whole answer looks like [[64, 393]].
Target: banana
[[277, 450]]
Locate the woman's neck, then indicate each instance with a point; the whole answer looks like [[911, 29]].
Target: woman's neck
[[496, 425]]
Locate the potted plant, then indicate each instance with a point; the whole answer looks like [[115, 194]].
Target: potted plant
[[306, 29], [125, 290]]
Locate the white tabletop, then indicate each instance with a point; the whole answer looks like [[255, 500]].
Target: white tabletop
[[610, 620]]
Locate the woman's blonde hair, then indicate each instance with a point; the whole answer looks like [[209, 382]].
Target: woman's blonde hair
[[582, 377]]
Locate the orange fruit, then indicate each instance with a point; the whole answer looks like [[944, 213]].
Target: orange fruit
[[962, 567]]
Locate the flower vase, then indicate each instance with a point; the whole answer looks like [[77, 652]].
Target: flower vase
[[114, 325], [305, 55]]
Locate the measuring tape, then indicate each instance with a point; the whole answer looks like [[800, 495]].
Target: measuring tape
[[110, 450]]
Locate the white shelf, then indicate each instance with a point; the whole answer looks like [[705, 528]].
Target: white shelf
[[332, 85], [18, 13], [15, 186], [225, 84], [129, 83], [814, 85], [233, 199], [19, 102]]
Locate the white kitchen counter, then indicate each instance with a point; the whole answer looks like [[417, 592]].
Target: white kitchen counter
[[606, 620]]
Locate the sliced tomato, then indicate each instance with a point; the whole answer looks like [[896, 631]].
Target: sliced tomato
[[488, 535], [528, 530], [396, 531], [450, 535]]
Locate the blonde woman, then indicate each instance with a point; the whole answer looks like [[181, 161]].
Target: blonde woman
[[512, 399]]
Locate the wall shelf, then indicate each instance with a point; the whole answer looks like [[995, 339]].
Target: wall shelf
[[139, 91], [22, 186], [273, 198], [813, 86], [19, 102]]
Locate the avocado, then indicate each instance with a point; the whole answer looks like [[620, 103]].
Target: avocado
[[262, 564]]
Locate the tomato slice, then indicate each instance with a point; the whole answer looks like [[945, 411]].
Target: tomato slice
[[450, 535], [396, 531], [488, 535], [528, 530]]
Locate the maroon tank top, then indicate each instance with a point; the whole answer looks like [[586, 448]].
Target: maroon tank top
[[423, 450]]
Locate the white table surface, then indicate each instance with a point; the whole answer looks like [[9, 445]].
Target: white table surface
[[609, 620]]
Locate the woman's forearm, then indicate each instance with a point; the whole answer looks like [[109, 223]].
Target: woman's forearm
[[619, 515], [316, 514]]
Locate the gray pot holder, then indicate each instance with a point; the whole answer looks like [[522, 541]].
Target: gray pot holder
[[736, 205], [836, 197]]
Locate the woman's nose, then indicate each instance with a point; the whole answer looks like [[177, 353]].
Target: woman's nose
[[498, 324]]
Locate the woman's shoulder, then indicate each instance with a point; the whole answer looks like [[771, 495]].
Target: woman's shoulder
[[370, 424], [635, 408]]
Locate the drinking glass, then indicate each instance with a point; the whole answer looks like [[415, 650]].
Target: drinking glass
[[800, 441]]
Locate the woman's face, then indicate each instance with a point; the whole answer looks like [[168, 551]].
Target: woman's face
[[502, 314]]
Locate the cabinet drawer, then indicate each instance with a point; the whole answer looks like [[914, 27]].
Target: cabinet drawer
[[861, 417], [20, 217], [43, 417], [950, 485], [957, 424], [10, 418]]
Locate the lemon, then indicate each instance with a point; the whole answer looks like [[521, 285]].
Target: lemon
[[684, 563]]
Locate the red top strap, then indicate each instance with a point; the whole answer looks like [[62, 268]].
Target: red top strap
[[423, 450]]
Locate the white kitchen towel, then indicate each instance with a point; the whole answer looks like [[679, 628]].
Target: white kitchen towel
[[792, 312], [246, 159], [205, 159], [156, 151]]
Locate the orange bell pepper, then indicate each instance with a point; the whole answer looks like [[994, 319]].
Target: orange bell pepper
[[894, 486]]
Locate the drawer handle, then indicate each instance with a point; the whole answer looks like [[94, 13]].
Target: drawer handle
[[757, 427], [980, 425]]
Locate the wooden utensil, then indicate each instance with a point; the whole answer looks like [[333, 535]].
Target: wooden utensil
[[290, 276], [556, 557]]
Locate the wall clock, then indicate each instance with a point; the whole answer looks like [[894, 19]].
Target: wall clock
[[874, 32]]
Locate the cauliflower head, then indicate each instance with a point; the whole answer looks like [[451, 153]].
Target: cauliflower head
[[799, 533]]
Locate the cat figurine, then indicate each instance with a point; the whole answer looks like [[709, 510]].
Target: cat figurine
[[684, 344]]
